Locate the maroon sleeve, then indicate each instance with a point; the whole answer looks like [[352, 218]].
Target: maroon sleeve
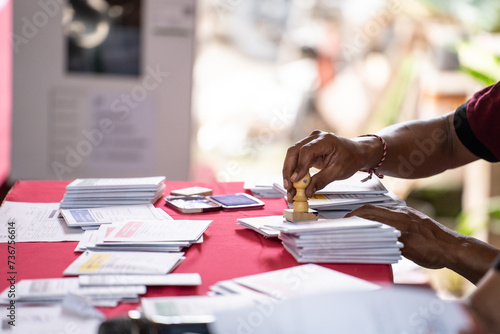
[[477, 123]]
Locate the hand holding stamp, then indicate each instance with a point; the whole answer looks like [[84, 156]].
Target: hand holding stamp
[[301, 211]]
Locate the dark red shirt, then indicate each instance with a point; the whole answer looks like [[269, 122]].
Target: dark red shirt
[[477, 123]]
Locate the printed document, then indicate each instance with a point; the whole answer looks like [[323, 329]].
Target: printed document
[[118, 262], [109, 214], [35, 222]]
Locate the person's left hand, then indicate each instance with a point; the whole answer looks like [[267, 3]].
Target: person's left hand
[[426, 242]]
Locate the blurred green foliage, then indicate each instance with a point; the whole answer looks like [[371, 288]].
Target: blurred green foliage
[[476, 15]]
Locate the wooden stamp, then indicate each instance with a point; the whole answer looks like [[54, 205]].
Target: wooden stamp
[[300, 211]]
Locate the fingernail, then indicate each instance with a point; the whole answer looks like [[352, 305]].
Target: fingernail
[[294, 177], [285, 183]]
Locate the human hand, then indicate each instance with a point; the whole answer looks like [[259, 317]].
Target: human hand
[[337, 158], [426, 242]]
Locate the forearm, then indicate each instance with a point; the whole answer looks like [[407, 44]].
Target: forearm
[[469, 257], [417, 149], [485, 300]]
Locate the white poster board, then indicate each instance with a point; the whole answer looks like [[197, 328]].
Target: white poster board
[[102, 88]]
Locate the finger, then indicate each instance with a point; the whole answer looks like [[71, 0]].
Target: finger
[[291, 158], [312, 154], [318, 181], [332, 172], [290, 194], [382, 214]]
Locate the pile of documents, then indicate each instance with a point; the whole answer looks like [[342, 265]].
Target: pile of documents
[[263, 225], [52, 290], [144, 235], [99, 289], [123, 271], [342, 196], [348, 240], [93, 193], [263, 291], [264, 187], [92, 218]]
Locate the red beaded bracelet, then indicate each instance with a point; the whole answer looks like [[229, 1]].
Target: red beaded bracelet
[[373, 170]]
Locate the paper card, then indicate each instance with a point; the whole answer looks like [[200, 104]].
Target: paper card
[[120, 183], [158, 230], [50, 289], [107, 215], [261, 224], [354, 185], [93, 263], [35, 222], [180, 279], [302, 280], [327, 225]]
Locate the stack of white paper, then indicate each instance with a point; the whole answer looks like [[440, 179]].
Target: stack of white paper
[[349, 194], [145, 235], [291, 282], [342, 196], [94, 193], [261, 224], [75, 314], [347, 240], [55, 289], [92, 218]]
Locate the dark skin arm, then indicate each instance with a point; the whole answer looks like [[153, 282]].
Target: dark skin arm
[[414, 149], [432, 245], [483, 302]]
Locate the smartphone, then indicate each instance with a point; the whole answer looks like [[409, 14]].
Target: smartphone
[[192, 204], [238, 201]]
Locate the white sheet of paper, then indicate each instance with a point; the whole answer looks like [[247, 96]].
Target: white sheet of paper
[[36, 222], [303, 280], [52, 319], [354, 185], [258, 224], [116, 183], [91, 263], [158, 230], [110, 214], [49, 289], [394, 310], [326, 225], [184, 279]]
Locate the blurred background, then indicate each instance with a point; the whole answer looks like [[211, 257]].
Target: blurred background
[[267, 73]]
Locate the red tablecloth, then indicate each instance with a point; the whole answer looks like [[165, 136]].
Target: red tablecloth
[[228, 250]]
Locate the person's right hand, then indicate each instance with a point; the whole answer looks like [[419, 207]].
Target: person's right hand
[[337, 158]]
